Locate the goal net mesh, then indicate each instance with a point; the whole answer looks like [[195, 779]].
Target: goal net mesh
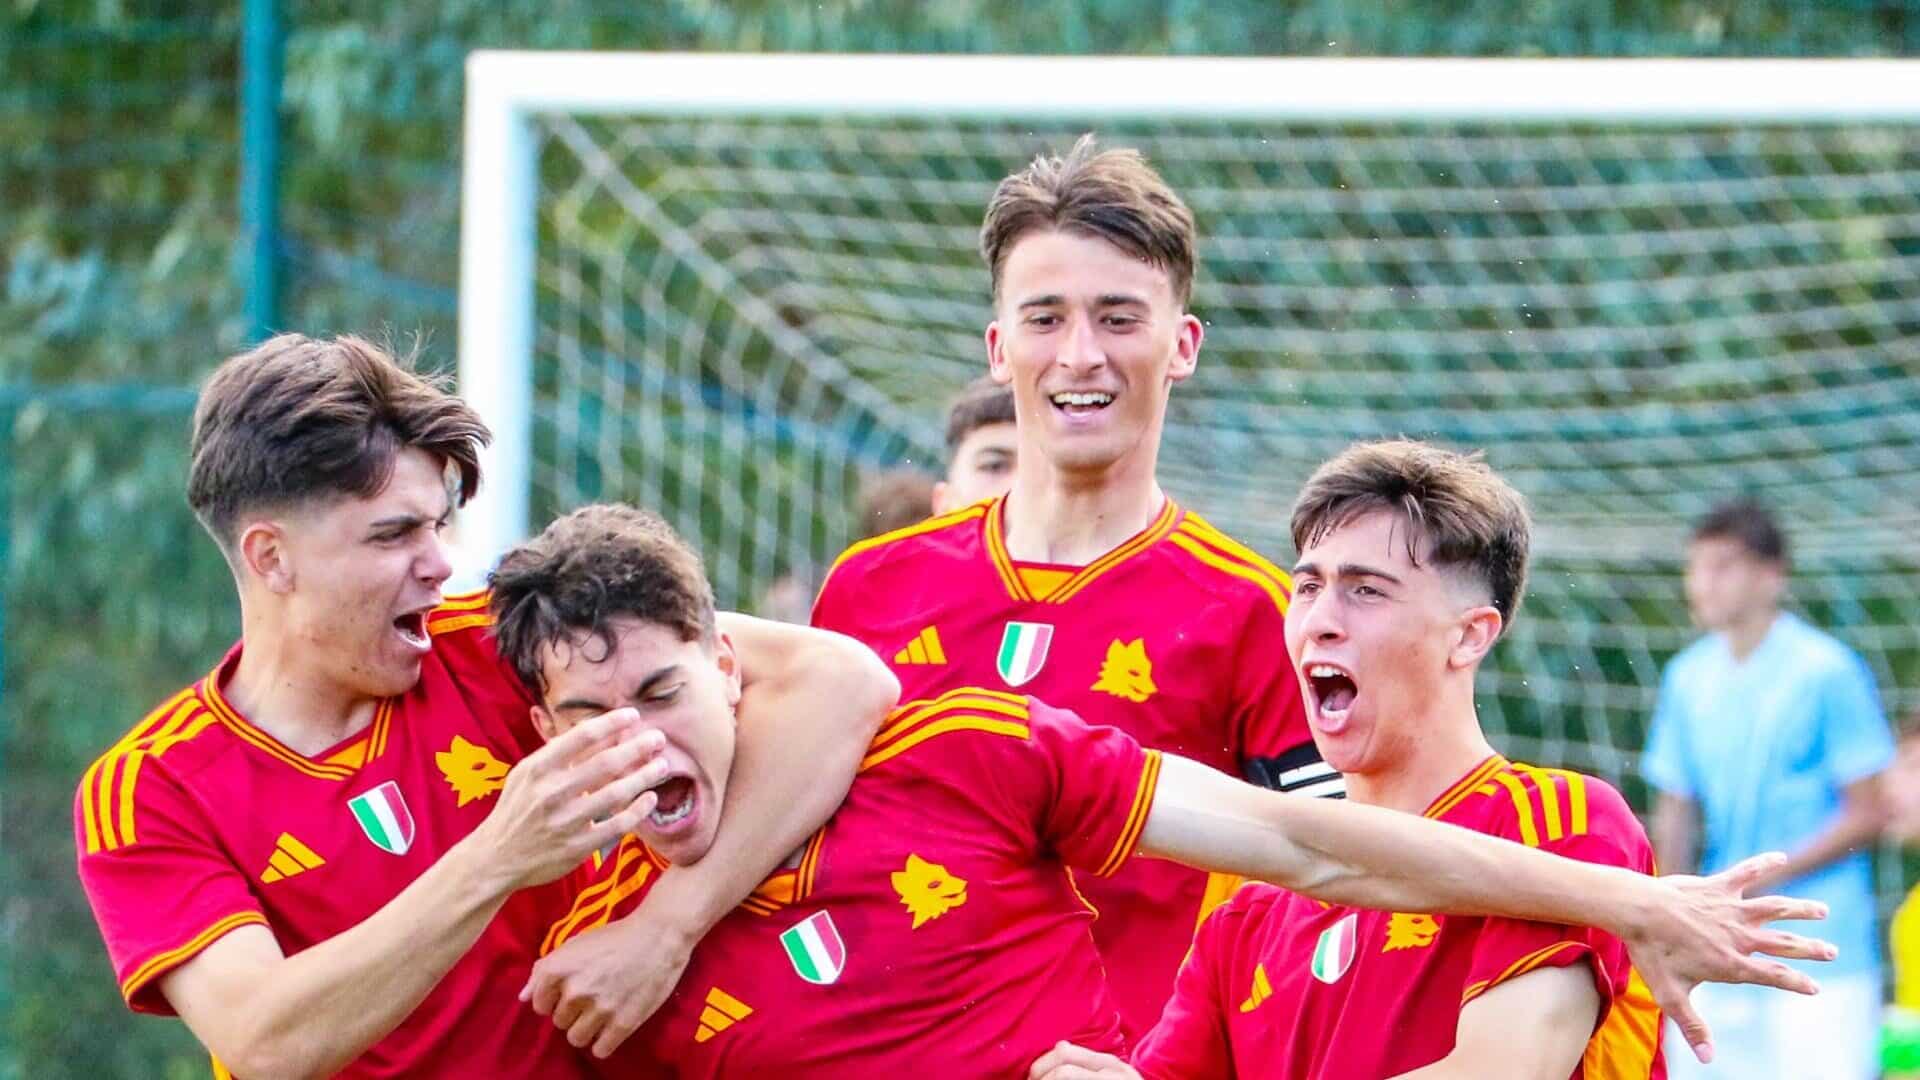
[[737, 318]]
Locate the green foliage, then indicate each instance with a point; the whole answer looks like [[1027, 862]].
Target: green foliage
[[118, 236]]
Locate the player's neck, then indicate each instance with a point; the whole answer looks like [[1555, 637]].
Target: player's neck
[[1069, 518], [1745, 636], [288, 699], [1451, 746]]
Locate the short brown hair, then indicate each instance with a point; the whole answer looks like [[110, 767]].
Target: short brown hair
[[299, 418], [1113, 195], [1748, 524], [1467, 516], [893, 500], [982, 404], [586, 569]]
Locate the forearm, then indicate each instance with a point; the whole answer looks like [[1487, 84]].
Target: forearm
[[1671, 831], [317, 1010], [1365, 856]]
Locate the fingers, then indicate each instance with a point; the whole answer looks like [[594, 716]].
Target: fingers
[[618, 1027], [584, 737], [1067, 1061], [543, 993], [634, 751], [1776, 908], [1778, 976], [619, 791], [1792, 946], [1744, 873], [581, 1033], [1692, 1028]]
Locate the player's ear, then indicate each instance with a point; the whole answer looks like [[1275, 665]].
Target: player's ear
[[545, 724], [1186, 347], [997, 367], [264, 556], [940, 498], [1478, 628], [729, 663]]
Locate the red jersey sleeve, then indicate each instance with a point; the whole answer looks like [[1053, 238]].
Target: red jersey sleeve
[[1190, 1039], [1100, 785], [1580, 818], [161, 888]]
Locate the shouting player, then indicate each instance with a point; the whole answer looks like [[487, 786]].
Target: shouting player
[[932, 925], [1413, 560], [308, 854], [1086, 586]]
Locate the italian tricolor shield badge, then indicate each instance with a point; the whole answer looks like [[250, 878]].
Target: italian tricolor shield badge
[[814, 946], [1023, 649], [1333, 954], [383, 814]]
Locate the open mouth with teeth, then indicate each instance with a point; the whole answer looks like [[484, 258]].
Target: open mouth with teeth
[[677, 797], [1081, 403], [1333, 691], [413, 628]]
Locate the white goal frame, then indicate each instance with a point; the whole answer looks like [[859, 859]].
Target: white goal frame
[[506, 89]]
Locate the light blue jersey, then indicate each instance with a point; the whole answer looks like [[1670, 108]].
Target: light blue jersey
[[1764, 747]]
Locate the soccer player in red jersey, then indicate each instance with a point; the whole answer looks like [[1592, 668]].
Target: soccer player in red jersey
[[311, 855], [932, 924], [1086, 586], [1412, 562]]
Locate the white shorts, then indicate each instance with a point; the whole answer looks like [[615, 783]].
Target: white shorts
[[1764, 1034]]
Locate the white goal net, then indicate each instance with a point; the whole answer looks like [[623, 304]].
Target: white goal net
[[735, 309]]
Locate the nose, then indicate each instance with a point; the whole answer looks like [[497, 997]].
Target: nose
[[1320, 620], [1081, 353], [433, 566]]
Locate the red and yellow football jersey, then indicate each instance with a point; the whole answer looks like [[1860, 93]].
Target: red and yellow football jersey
[[930, 927], [1283, 986], [1175, 637], [197, 822]]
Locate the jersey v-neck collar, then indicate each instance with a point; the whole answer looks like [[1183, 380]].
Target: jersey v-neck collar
[[1019, 581]]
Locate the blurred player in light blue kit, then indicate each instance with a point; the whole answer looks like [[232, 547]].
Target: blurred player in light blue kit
[[1769, 735]]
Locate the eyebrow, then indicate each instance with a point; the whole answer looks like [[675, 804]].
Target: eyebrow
[[409, 520], [648, 683], [1103, 300], [1346, 570]]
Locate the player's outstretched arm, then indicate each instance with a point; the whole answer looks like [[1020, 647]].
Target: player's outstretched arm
[[1534, 1027], [809, 708], [1680, 931], [262, 1013]]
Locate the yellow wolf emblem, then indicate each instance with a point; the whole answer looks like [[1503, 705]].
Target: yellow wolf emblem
[[471, 770], [1126, 672], [928, 890]]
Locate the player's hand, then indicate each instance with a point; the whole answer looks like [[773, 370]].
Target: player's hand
[[1708, 930], [1069, 1062], [601, 986], [573, 796]]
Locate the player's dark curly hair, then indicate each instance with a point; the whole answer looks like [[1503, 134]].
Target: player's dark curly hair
[[1461, 514], [565, 586]]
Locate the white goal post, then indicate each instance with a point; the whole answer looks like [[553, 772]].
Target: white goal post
[[506, 89]]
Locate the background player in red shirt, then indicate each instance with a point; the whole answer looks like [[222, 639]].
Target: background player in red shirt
[[1412, 562], [309, 854], [982, 446], [931, 923], [1086, 586]]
